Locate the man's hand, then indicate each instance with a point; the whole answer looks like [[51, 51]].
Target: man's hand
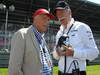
[[61, 53], [68, 51]]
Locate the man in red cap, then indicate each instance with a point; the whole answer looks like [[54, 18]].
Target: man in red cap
[[29, 53]]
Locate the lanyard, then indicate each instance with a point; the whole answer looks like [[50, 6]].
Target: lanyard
[[45, 57], [68, 45], [70, 28]]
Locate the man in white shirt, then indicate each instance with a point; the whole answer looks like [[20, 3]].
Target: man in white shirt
[[78, 46]]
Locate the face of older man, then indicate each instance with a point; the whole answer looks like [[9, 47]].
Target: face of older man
[[63, 15], [41, 22]]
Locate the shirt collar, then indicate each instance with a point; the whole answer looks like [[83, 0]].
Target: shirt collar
[[68, 25], [38, 34]]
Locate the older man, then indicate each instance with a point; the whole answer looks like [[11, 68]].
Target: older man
[[74, 43], [29, 53]]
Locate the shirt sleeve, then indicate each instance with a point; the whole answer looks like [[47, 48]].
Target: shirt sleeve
[[55, 54], [89, 50]]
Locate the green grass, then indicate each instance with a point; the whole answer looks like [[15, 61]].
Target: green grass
[[91, 70], [3, 71]]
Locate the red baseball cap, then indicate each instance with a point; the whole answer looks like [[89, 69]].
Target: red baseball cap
[[43, 11]]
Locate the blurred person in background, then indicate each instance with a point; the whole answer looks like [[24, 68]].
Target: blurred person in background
[[29, 52], [74, 43]]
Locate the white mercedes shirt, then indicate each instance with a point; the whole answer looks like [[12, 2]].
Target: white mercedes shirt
[[82, 41]]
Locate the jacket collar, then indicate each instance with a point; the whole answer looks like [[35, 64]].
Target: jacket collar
[[34, 41]]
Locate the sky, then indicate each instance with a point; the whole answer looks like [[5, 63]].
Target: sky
[[95, 1]]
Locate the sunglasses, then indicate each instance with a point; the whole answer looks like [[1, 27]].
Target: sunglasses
[[61, 19]]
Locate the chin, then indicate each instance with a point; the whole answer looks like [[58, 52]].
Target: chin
[[44, 30]]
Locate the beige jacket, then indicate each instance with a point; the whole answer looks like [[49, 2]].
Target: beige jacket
[[24, 56]]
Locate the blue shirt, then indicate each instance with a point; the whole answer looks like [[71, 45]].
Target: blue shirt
[[44, 54]]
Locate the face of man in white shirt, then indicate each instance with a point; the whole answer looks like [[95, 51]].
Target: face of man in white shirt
[[63, 15]]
